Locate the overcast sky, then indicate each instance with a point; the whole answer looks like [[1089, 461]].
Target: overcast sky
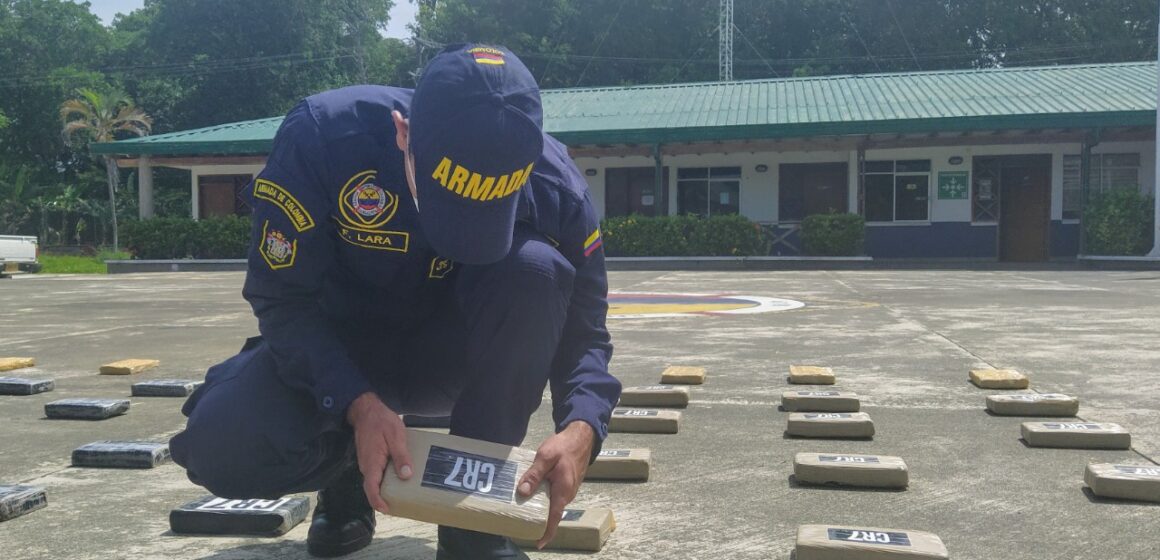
[[402, 14]]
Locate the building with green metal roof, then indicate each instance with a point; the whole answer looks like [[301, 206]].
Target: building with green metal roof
[[954, 164]]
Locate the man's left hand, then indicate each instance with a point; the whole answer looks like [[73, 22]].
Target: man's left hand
[[562, 461]]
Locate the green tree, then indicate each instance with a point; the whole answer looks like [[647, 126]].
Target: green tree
[[48, 49], [204, 62], [613, 42], [96, 116]]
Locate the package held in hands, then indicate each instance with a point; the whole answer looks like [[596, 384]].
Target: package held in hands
[[467, 484]]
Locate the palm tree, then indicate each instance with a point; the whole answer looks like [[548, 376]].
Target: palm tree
[[102, 116]]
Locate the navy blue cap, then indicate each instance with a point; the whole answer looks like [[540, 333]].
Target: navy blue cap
[[476, 132]]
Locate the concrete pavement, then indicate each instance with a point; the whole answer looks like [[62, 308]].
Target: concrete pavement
[[721, 488]]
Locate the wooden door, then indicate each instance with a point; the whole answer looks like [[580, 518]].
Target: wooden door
[[1025, 212]]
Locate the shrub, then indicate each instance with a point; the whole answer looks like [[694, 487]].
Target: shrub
[[833, 235], [676, 236], [182, 238], [1119, 222]]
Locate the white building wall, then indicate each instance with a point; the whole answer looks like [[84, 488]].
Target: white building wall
[[759, 192]]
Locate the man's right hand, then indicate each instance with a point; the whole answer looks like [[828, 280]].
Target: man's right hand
[[379, 436]]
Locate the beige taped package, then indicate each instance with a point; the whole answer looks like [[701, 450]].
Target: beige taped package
[[468, 484], [128, 367], [999, 379], [683, 375], [1125, 482], [9, 364], [655, 395], [811, 375], [621, 464], [1076, 435], [820, 401], [1033, 404], [580, 529], [872, 471], [841, 542], [829, 425], [644, 421]]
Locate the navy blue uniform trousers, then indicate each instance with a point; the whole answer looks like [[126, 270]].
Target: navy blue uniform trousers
[[254, 428]]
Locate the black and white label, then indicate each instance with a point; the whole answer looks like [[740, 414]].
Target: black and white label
[[167, 383], [122, 447], [846, 459], [1071, 426], [634, 412], [654, 388], [869, 537], [817, 393], [614, 453], [102, 403], [828, 416], [572, 515], [255, 505], [468, 473], [1140, 471]]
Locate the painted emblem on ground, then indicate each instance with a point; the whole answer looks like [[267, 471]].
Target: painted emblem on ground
[[630, 305]]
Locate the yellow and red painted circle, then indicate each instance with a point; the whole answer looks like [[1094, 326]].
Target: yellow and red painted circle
[[625, 305]]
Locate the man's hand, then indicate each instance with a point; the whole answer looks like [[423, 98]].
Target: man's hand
[[379, 435], [562, 461]]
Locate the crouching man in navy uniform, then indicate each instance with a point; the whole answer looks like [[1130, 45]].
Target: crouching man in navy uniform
[[430, 253]]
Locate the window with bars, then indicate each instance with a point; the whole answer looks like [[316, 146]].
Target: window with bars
[[1108, 171], [897, 191]]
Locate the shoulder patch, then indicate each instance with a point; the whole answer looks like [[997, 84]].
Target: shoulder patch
[[277, 250], [275, 194], [364, 204]]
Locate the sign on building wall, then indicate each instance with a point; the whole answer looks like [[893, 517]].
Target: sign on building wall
[[952, 185]]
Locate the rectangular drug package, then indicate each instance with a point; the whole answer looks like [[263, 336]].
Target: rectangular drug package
[[468, 484]]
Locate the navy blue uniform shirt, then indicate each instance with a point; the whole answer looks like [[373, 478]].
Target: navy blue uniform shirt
[[337, 248]]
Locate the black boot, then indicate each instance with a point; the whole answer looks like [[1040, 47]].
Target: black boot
[[344, 521], [461, 544]]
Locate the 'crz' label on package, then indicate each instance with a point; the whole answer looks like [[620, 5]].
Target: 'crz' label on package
[[614, 453], [254, 505], [846, 459], [468, 473], [1143, 471], [655, 388], [1071, 426], [817, 393], [634, 413], [828, 416], [869, 537]]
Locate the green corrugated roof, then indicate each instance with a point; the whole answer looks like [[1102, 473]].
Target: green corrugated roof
[[246, 137], [1012, 98]]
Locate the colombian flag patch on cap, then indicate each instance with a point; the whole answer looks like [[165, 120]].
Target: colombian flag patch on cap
[[593, 243], [484, 55]]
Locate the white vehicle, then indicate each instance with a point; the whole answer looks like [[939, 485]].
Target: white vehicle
[[19, 253]]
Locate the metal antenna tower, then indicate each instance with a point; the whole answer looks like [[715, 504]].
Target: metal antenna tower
[[725, 47]]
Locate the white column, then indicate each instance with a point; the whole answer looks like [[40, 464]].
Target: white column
[[1156, 180], [144, 188], [195, 212]]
